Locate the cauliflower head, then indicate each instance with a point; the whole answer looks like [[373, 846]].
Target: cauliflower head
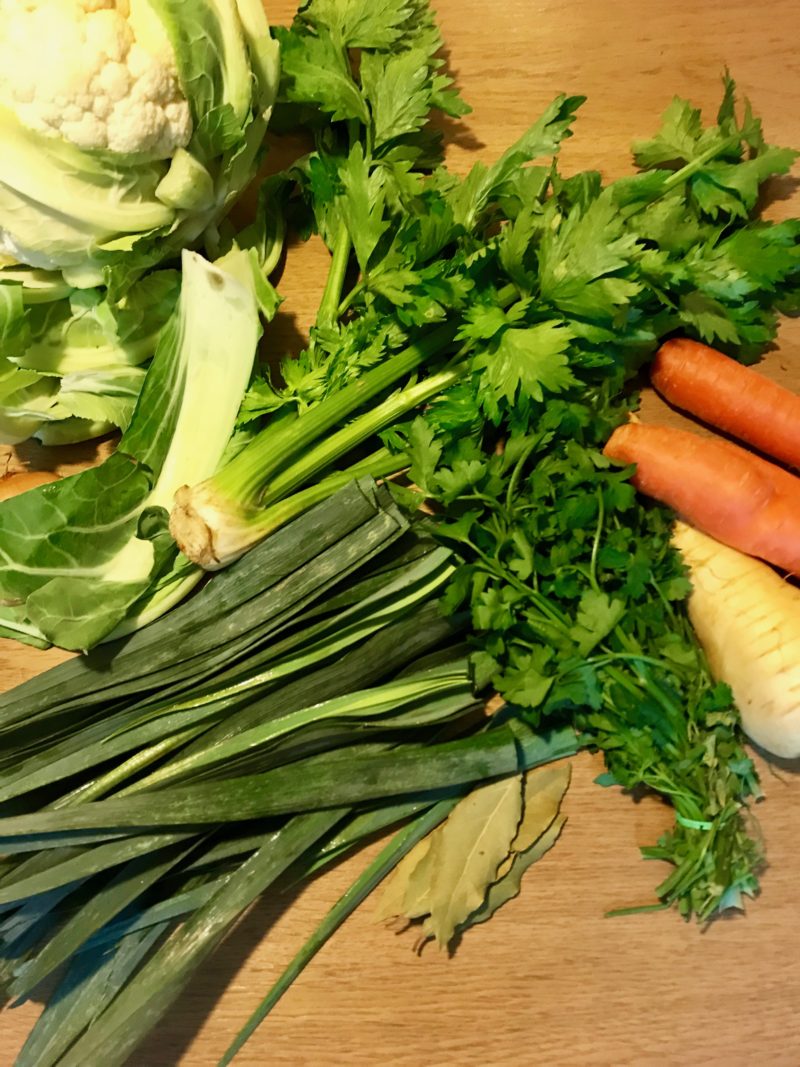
[[98, 73], [127, 130], [128, 127]]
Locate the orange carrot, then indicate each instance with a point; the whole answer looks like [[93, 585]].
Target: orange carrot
[[723, 490], [732, 397]]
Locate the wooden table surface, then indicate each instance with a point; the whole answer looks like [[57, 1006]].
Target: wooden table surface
[[550, 980]]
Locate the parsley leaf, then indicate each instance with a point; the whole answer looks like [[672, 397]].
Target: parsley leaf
[[314, 71], [708, 317], [485, 184], [729, 161], [423, 452], [597, 615], [681, 139], [398, 89], [577, 261], [358, 23], [530, 361], [362, 205]]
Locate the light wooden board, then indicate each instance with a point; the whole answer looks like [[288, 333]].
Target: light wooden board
[[550, 981]]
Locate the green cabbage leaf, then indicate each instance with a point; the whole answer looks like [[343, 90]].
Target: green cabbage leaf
[[78, 555]]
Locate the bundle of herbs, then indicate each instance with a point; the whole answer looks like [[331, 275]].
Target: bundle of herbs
[[486, 335]]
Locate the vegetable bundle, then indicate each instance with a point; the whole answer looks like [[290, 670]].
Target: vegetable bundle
[[519, 306], [311, 696], [484, 335]]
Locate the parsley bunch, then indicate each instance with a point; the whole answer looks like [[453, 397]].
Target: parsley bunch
[[575, 595], [486, 333]]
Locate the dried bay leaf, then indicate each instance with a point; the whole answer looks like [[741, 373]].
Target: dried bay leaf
[[542, 795], [446, 876], [508, 887], [416, 903], [392, 900], [473, 863], [470, 847], [543, 792]]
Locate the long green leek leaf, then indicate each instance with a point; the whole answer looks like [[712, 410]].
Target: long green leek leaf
[[358, 706], [188, 655], [165, 911], [100, 858], [308, 785], [22, 929], [129, 884], [361, 827], [14, 869], [353, 833], [95, 745], [75, 838], [327, 639], [390, 649], [145, 999], [378, 869], [91, 982]]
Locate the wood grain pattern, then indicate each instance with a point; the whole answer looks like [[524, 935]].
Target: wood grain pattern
[[550, 980]]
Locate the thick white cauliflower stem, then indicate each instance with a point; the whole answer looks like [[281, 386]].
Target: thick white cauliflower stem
[[98, 73]]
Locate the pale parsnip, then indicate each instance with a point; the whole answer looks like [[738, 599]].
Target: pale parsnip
[[747, 618]]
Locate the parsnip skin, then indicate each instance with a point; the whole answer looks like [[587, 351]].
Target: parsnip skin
[[747, 618]]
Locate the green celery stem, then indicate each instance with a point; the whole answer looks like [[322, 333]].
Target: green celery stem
[[340, 443], [696, 165], [331, 298], [381, 464], [244, 476]]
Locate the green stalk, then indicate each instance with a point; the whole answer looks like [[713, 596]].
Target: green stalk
[[218, 520], [88, 861], [328, 311], [381, 464], [243, 478], [338, 444], [689, 169]]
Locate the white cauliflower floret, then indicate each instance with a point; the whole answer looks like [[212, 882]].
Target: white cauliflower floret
[[112, 84], [100, 73]]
